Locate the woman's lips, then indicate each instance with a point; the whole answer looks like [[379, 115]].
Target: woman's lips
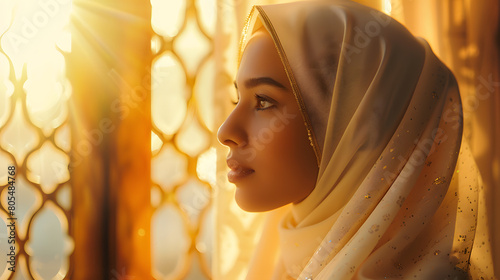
[[237, 171], [234, 176]]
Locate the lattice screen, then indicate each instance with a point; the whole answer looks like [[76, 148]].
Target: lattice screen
[[183, 163], [35, 138]]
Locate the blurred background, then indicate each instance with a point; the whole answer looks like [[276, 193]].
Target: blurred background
[[109, 111]]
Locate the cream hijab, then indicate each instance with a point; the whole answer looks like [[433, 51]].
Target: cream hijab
[[384, 118]]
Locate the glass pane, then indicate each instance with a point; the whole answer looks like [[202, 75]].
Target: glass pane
[[192, 46], [170, 242], [49, 246], [4, 245], [206, 166], [64, 197], [168, 94], [18, 138], [192, 139], [28, 200], [167, 16], [156, 196], [207, 11], [204, 242], [5, 161], [36, 28], [195, 272], [204, 92], [193, 197], [156, 44], [48, 167], [63, 138], [5, 14], [156, 143], [64, 41], [169, 168], [6, 89], [46, 94], [22, 269]]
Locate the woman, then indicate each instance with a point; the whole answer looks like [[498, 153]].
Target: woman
[[354, 123]]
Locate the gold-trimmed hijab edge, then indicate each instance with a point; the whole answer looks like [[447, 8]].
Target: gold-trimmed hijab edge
[[284, 60]]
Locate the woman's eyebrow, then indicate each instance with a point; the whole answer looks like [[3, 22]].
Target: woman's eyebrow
[[253, 82]]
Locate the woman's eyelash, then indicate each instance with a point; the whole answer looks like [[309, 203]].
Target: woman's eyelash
[[261, 98]]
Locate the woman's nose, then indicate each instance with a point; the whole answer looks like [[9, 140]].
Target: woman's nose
[[232, 131]]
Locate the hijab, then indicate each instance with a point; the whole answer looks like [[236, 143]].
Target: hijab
[[383, 114]]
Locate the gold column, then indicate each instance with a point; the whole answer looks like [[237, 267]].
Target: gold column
[[109, 67]]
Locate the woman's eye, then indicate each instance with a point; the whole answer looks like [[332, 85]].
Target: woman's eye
[[263, 103]]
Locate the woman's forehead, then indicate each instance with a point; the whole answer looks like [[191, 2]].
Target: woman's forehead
[[261, 59]]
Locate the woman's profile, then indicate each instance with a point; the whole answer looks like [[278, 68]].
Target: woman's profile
[[351, 128]]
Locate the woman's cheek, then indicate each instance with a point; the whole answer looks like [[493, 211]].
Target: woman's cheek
[[265, 135], [276, 142]]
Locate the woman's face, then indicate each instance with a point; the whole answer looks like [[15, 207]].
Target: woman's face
[[271, 161]]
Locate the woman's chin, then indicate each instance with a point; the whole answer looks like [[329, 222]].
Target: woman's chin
[[253, 204]]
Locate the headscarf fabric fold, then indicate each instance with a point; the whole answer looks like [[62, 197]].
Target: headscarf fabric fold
[[396, 194]]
